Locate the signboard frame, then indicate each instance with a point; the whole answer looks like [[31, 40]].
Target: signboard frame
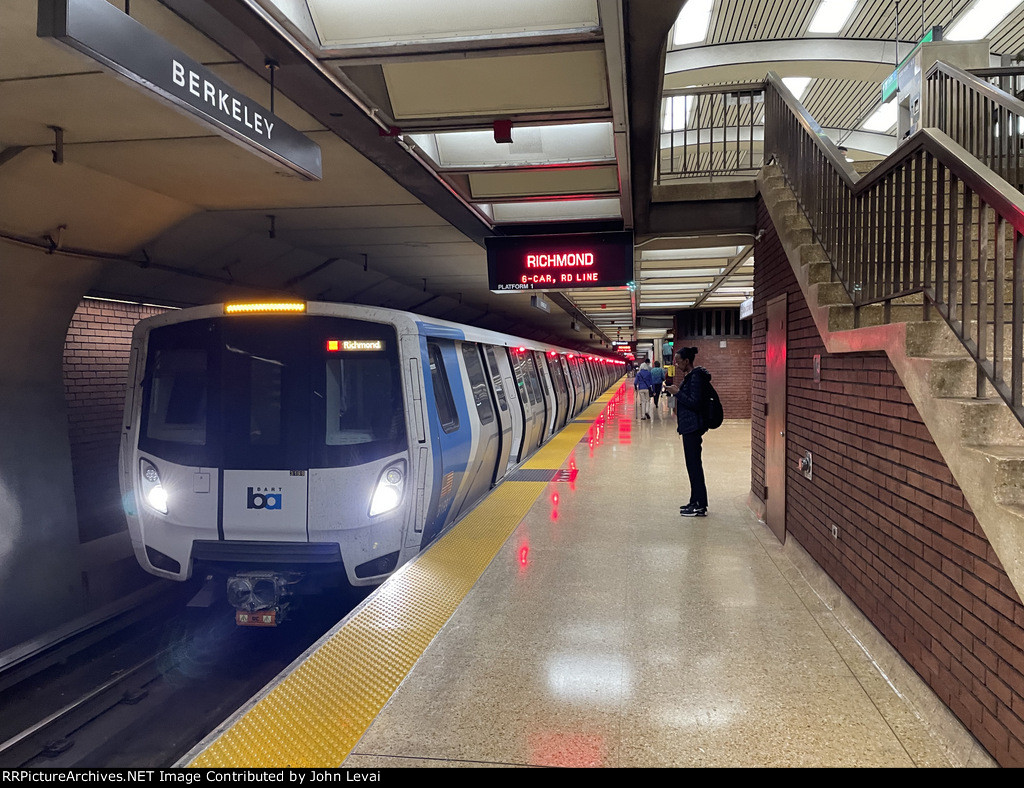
[[106, 34], [573, 261]]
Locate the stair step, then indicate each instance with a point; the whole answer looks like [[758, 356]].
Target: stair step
[[1007, 465], [982, 422]]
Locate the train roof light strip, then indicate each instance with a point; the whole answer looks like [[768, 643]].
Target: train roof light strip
[[257, 307]]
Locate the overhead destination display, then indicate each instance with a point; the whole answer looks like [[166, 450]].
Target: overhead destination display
[[559, 262]]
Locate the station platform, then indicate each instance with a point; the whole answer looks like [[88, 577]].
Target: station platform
[[574, 619]]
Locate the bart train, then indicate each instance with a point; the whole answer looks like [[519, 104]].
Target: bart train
[[275, 447]]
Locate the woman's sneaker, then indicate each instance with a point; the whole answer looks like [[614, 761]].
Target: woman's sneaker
[[693, 510]]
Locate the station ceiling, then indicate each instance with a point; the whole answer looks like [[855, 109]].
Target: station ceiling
[[408, 100]]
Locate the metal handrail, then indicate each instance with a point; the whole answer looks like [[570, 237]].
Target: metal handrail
[[723, 132], [929, 220], [981, 117]]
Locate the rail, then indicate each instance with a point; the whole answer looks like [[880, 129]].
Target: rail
[[711, 131], [986, 120], [930, 223]]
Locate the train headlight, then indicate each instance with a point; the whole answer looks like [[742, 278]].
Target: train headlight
[[390, 488], [153, 492]]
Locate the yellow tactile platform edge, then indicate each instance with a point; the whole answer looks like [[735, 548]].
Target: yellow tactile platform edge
[[318, 713]]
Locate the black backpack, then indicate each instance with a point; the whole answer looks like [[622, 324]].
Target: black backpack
[[713, 413]]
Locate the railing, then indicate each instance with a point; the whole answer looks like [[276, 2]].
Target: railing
[[1009, 79], [930, 223], [711, 131], [984, 119]]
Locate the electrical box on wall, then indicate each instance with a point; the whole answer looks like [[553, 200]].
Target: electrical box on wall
[[806, 465]]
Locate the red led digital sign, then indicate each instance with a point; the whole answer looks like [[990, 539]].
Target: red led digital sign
[[559, 262]]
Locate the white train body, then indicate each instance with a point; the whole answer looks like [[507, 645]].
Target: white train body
[[336, 442]]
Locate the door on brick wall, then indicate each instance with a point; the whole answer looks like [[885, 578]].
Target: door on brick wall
[[775, 418]]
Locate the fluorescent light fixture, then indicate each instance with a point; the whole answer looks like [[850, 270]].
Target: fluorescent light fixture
[[883, 118], [557, 209], [680, 286], [690, 254], [677, 113], [831, 16], [659, 304], [531, 146], [678, 273], [980, 19], [797, 85], [691, 26], [371, 22]]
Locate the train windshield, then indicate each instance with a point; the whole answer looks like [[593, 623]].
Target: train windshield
[[279, 392]]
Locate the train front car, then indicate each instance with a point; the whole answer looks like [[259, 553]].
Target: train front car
[[267, 446]]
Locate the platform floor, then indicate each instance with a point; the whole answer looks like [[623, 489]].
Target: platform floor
[[602, 629]]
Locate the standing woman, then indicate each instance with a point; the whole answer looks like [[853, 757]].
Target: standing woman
[[643, 384], [691, 396]]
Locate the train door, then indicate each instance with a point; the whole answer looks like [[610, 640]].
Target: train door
[[547, 389], [451, 436], [510, 417], [577, 403], [486, 431], [563, 370], [529, 395], [561, 391]]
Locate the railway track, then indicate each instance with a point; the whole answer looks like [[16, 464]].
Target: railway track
[[145, 694]]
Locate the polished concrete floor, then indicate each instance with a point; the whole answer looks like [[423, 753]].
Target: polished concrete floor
[[609, 631]]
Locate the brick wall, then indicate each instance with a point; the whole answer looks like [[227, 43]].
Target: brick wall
[[96, 353], [910, 553], [730, 370]]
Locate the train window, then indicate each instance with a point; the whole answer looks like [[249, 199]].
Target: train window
[[533, 379], [519, 367], [475, 370], [442, 390], [360, 401], [265, 402], [499, 388], [176, 409], [556, 376]]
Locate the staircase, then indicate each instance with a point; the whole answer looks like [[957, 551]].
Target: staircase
[[980, 438]]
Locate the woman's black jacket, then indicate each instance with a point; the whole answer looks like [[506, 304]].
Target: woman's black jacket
[[690, 401]]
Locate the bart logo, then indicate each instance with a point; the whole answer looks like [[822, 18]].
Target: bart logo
[[261, 498]]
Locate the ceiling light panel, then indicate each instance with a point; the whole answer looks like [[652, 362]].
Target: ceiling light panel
[[543, 182], [797, 86], [831, 16], [531, 146], [676, 273], [373, 23], [557, 210], [691, 25], [690, 254], [883, 118], [981, 19], [562, 81]]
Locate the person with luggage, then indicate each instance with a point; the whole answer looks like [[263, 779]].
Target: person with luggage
[[642, 385], [691, 395]]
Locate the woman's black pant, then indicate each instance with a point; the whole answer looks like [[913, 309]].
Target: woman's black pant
[[695, 468]]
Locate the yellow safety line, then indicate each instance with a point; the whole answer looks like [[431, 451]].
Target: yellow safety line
[[317, 714]]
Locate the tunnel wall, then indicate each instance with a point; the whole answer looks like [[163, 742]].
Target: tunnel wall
[[40, 557]]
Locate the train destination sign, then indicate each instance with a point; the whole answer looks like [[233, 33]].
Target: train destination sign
[[559, 262], [108, 35]]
